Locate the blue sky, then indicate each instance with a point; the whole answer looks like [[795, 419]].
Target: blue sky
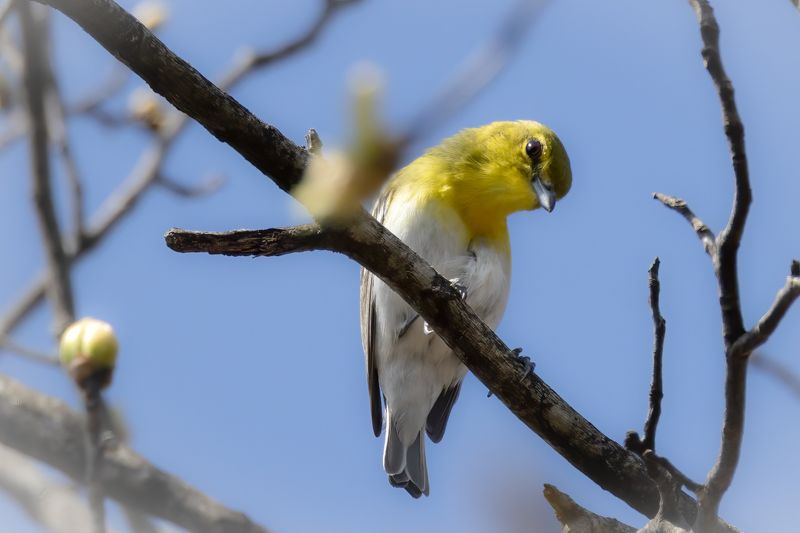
[[245, 376]]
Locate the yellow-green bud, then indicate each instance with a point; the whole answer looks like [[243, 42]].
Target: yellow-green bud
[[88, 346]]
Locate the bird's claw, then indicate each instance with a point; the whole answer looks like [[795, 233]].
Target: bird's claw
[[462, 290], [528, 366]]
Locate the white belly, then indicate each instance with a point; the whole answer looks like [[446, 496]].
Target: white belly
[[415, 367]]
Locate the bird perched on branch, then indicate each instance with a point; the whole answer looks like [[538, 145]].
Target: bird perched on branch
[[450, 206]]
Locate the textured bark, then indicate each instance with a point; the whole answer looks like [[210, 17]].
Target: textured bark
[[537, 405], [576, 519], [188, 90]]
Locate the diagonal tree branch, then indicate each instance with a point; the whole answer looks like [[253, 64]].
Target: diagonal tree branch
[[705, 234], [46, 429], [533, 401], [147, 169], [767, 324]]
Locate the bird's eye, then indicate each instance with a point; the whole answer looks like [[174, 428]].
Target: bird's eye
[[533, 149]]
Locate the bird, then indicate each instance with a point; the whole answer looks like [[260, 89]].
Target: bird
[[450, 206]]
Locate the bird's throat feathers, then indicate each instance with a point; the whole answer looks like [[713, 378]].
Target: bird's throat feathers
[[473, 187]]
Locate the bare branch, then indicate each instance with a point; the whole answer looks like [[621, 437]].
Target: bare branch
[[761, 332], [538, 406], [46, 429], [725, 266], [267, 243], [645, 447], [330, 8], [705, 235], [34, 38], [778, 370], [93, 403], [730, 237], [656, 387], [576, 519]]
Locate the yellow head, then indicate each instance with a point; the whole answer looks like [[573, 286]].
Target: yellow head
[[504, 167]]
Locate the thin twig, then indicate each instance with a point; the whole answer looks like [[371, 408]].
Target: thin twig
[[645, 447], [93, 403], [59, 284], [633, 441], [248, 62], [656, 387], [705, 235], [766, 325], [330, 8]]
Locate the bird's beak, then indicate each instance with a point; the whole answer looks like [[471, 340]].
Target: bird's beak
[[546, 196]]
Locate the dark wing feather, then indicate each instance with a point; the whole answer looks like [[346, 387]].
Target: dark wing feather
[[369, 324], [440, 412]]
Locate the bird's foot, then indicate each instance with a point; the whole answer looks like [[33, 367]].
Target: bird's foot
[[528, 366], [462, 290]]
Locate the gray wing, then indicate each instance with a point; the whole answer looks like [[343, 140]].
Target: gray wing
[[369, 324], [440, 412]]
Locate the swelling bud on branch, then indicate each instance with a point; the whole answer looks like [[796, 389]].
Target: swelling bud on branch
[[88, 349]]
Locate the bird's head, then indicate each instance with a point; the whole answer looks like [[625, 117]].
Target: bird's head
[[509, 166]]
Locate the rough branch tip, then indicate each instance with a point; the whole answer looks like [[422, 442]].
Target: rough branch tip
[[653, 270]]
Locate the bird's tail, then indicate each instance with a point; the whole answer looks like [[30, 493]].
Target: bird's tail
[[405, 465]]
